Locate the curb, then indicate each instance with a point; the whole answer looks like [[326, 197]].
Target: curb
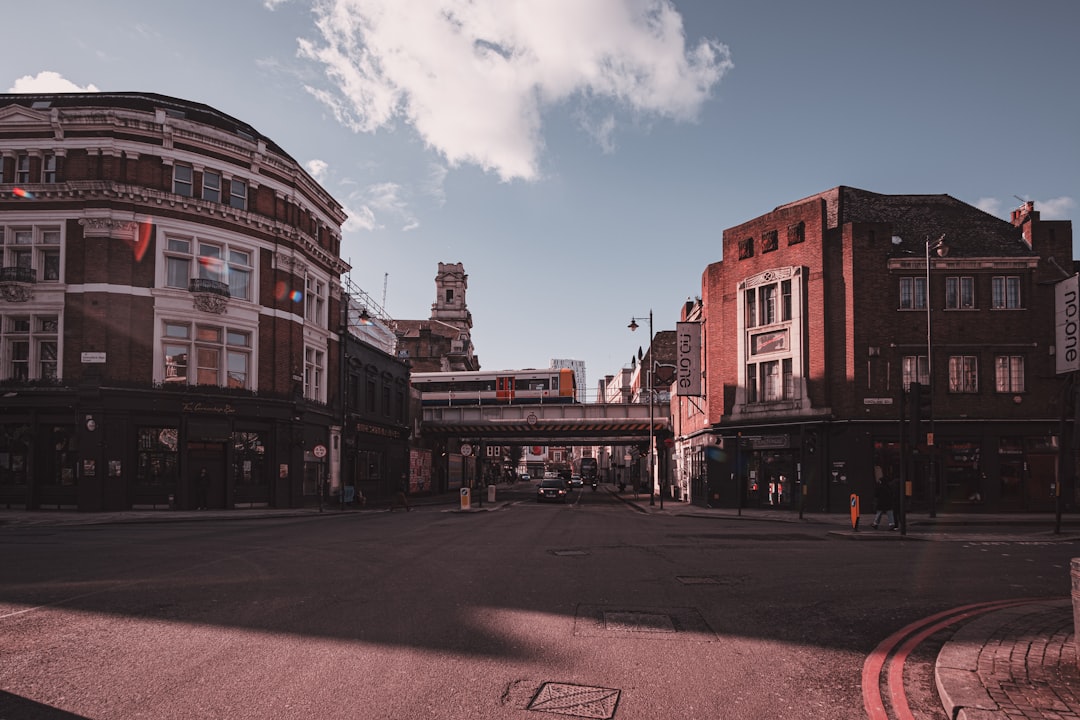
[[991, 652]]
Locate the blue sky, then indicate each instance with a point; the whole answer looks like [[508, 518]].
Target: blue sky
[[583, 157]]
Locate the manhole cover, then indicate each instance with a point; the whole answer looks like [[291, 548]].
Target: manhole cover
[[697, 580], [577, 700], [638, 622], [676, 623]]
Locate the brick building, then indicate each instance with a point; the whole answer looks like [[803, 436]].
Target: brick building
[[822, 314], [169, 308]]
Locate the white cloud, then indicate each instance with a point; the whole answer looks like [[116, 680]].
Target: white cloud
[[989, 205], [376, 205], [1058, 208], [317, 169], [474, 77], [435, 185], [358, 220], [47, 81]]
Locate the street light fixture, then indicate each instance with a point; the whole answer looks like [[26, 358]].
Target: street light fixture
[[652, 450], [941, 249]]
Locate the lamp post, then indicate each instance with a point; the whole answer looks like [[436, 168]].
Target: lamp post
[[939, 247], [652, 454]]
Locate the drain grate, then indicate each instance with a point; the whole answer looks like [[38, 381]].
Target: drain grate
[[569, 553], [577, 700]]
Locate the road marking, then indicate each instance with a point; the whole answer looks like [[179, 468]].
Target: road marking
[[899, 650]]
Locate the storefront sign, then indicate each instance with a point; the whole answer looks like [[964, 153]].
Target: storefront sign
[[1067, 325], [370, 429], [688, 346]]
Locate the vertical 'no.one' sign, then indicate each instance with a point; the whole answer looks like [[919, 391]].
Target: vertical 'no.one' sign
[[1067, 325], [688, 358]]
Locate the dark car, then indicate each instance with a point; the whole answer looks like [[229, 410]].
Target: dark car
[[553, 489]]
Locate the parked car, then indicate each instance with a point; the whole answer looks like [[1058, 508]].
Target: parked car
[[553, 489], [525, 476], [576, 481]]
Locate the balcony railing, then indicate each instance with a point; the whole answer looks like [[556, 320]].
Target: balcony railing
[[17, 275], [210, 287]]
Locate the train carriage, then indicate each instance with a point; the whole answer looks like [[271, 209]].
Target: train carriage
[[496, 387]]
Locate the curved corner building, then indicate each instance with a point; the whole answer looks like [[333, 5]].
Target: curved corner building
[[169, 297]]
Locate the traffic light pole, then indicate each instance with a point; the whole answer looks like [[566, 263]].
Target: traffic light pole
[[901, 511]]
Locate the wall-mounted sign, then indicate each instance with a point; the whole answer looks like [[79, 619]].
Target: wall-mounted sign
[[1066, 325], [688, 347], [96, 358], [769, 342]]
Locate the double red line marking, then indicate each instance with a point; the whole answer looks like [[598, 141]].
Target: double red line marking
[[899, 648]]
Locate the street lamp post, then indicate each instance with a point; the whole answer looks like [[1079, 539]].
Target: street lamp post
[[652, 450], [939, 247]]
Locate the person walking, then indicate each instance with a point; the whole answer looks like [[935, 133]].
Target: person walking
[[883, 502]]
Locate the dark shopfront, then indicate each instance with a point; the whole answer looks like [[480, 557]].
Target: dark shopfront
[[120, 450], [1004, 469], [765, 469], [979, 467], [376, 460]]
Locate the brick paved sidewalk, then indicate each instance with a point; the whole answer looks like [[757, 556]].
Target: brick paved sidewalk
[[1017, 663]]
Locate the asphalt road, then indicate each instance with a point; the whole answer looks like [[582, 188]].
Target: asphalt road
[[589, 609]]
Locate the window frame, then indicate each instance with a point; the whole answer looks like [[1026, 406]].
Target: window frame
[[963, 374], [209, 259], [1005, 292], [24, 338], [1009, 374], [48, 168], [314, 373], [22, 169], [960, 292], [36, 248], [207, 349], [211, 192], [238, 194], [914, 368], [185, 187], [913, 292]]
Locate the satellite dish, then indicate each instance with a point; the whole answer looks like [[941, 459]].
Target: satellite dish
[[896, 239]]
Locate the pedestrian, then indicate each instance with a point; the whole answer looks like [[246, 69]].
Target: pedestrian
[[979, 479], [883, 502], [401, 497], [201, 487]]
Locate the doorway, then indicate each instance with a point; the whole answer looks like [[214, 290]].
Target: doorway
[[206, 476]]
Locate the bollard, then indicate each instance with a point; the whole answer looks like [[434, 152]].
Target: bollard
[[1076, 602], [466, 498], [491, 493]]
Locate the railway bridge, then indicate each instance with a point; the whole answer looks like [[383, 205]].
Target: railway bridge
[[549, 423]]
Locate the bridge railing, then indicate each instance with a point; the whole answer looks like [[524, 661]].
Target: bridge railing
[[576, 411]]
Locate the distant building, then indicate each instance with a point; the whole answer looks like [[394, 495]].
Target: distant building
[[578, 366], [444, 341]]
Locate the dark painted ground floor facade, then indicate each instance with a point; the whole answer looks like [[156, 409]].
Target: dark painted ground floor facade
[[96, 448], [997, 466]]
